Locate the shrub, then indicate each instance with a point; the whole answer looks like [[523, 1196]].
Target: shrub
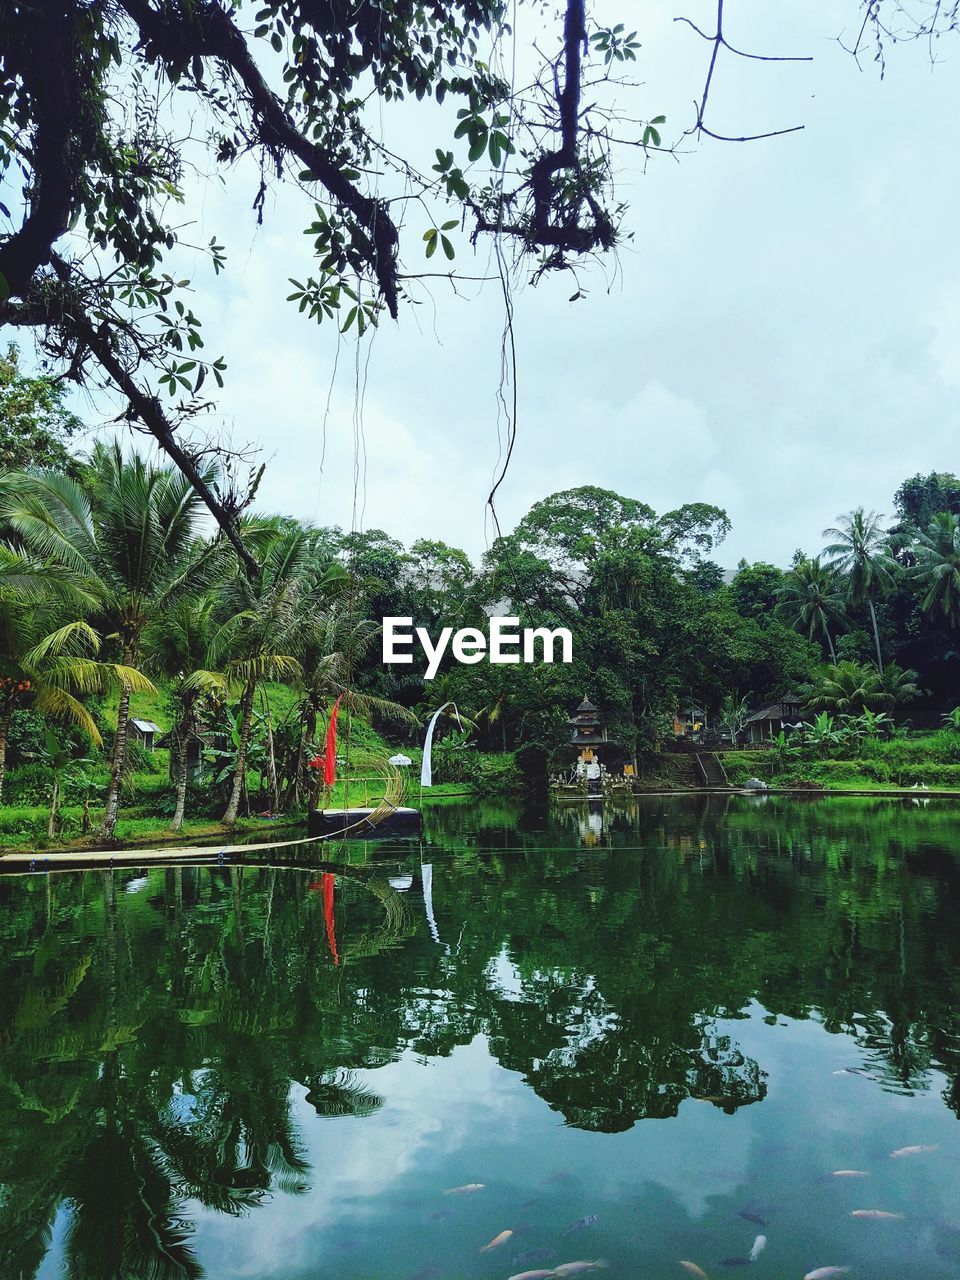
[[31, 820], [496, 774], [139, 759], [741, 765], [29, 784], [26, 734], [849, 772], [204, 800]]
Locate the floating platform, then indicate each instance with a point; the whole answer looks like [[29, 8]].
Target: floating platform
[[364, 824]]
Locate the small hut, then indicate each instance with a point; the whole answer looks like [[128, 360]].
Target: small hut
[[195, 743], [690, 723], [145, 733], [766, 721]]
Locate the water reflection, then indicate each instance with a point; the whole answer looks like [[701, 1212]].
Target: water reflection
[[170, 1040]]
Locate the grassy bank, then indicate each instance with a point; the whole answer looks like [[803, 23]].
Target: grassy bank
[[931, 760], [148, 799], [135, 832]]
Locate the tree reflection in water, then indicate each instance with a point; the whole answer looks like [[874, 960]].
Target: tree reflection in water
[[149, 1040]]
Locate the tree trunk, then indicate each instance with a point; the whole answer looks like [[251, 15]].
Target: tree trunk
[[876, 636], [239, 773], [112, 803], [180, 755], [4, 734], [54, 800], [833, 652], [274, 796]]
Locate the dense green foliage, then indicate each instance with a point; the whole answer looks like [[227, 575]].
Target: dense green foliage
[[35, 426], [108, 581]]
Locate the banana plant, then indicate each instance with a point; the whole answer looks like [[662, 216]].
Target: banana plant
[[60, 762], [823, 733], [874, 724]]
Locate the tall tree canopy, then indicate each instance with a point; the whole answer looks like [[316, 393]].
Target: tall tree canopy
[[35, 424]]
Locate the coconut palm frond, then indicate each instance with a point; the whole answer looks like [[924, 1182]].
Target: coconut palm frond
[[226, 634], [34, 581], [136, 681], [79, 675], [61, 705], [69, 640], [263, 666], [52, 514], [365, 703], [207, 682]]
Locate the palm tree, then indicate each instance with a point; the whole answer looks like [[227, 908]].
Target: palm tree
[[938, 566], [810, 600], [179, 648], [46, 661], [859, 551], [331, 644], [898, 685], [262, 621], [133, 547], [848, 688]]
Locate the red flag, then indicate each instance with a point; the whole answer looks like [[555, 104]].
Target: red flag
[[330, 755]]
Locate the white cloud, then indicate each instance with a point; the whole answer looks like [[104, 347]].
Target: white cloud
[[779, 337]]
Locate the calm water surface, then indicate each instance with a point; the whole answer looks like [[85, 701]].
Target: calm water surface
[[670, 1025]]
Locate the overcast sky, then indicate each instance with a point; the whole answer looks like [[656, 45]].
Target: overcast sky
[[781, 338]]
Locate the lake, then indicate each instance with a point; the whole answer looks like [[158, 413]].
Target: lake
[[645, 1035]]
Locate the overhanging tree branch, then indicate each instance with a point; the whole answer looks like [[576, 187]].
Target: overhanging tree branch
[[146, 408], [213, 34], [719, 41]]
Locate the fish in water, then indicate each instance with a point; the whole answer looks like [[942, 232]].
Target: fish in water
[[581, 1224], [755, 1218], [693, 1269], [758, 1247], [578, 1268], [438, 1215], [531, 1275], [876, 1214], [826, 1273], [541, 1254], [912, 1151], [850, 1173], [497, 1241], [466, 1189]]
